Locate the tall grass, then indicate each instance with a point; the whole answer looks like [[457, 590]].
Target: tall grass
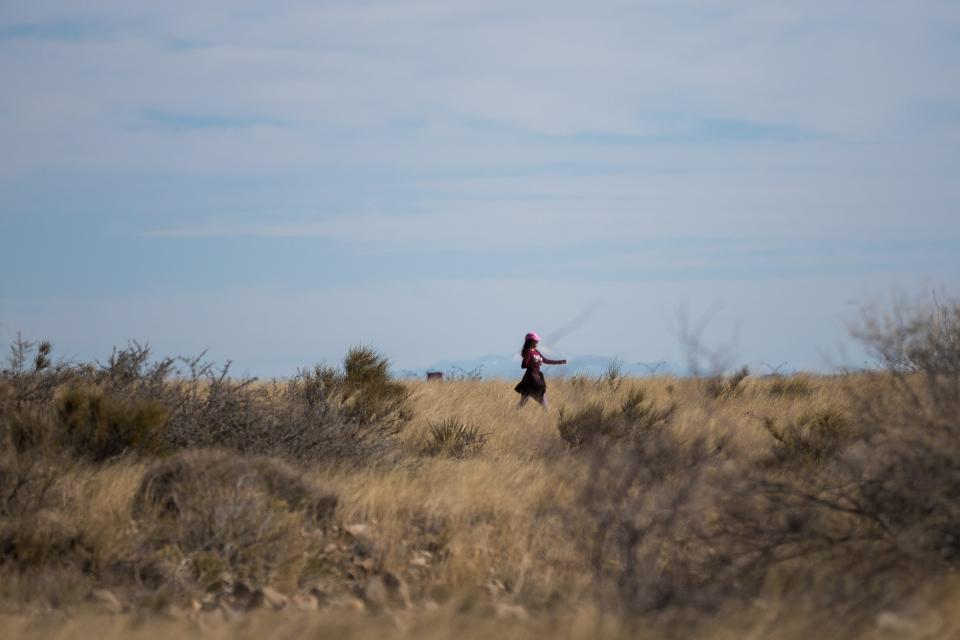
[[352, 503]]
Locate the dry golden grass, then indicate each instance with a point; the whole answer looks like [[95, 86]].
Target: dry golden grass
[[483, 543], [493, 508], [530, 434]]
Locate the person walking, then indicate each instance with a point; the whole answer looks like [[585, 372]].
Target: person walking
[[533, 384]]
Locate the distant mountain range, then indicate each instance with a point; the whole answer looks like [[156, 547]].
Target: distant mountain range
[[493, 366]]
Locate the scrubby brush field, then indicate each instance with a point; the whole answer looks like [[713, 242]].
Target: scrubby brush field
[[154, 498]]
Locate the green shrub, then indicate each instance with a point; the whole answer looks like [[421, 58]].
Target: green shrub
[[454, 439], [98, 426], [369, 393]]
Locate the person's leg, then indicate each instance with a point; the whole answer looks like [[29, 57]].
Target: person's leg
[[543, 401], [523, 401]]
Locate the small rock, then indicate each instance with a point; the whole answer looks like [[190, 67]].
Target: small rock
[[506, 611], [243, 597], [901, 625], [362, 542], [401, 620], [422, 559], [215, 617], [359, 531], [178, 613], [210, 602], [269, 597], [321, 596], [348, 602], [241, 590], [387, 590], [229, 613], [107, 600], [496, 587], [305, 602]]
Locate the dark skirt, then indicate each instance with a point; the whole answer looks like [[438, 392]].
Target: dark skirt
[[532, 384]]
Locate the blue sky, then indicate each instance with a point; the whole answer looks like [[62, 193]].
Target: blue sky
[[277, 181]]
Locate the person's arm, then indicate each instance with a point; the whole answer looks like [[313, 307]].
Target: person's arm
[[549, 361]]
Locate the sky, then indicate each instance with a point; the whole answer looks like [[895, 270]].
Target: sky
[[275, 182]]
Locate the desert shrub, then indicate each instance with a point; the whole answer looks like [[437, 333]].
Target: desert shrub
[[812, 438], [918, 337], [31, 378], [44, 556], [41, 359], [26, 482], [790, 386], [595, 424], [637, 515], [62, 407], [453, 438], [459, 373], [613, 377], [677, 530], [209, 408], [580, 426], [855, 514], [133, 402], [99, 426], [133, 369], [369, 393], [232, 518], [166, 486], [47, 588], [43, 538], [29, 427], [721, 386], [348, 414]]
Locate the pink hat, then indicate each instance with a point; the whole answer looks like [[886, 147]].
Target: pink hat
[[532, 336]]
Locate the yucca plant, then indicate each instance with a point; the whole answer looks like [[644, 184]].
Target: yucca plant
[[453, 438]]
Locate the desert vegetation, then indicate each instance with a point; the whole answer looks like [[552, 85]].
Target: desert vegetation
[[147, 496]]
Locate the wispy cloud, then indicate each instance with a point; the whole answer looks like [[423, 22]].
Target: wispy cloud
[[676, 128], [64, 30], [186, 121]]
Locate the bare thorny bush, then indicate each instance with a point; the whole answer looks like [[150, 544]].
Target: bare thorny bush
[[850, 513], [135, 404]]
